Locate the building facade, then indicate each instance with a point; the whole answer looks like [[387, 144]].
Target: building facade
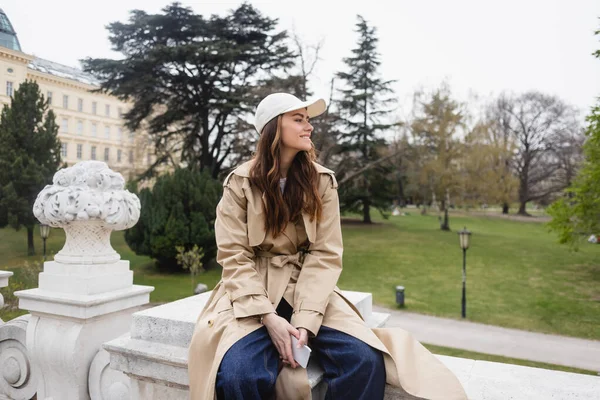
[[91, 126]]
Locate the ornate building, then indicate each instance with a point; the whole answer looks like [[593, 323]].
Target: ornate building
[[91, 127]]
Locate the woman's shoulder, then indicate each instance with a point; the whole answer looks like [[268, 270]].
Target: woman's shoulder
[[241, 171], [326, 175]]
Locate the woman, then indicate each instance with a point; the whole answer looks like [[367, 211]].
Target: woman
[[280, 245]]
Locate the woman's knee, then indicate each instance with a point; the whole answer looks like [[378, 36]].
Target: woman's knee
[[369, 357], [243, 365]]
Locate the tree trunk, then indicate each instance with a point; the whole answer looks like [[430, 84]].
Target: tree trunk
[[366, 212], [523, 190], [505, 207], [445, 225], [30, 247], [523, 208], [401, 199]]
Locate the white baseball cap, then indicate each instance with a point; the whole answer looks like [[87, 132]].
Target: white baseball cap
[[280, 103]]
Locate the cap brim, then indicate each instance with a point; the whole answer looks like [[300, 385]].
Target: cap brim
[[314, 108]]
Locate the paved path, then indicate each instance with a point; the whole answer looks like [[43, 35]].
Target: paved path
[[553, 349]]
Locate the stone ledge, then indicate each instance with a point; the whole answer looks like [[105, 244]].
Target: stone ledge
[[82, 306], [156, 360], [157, 346]]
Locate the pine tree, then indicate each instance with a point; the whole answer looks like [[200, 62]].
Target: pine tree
[[361, 107], [191, 79], [29, 156]]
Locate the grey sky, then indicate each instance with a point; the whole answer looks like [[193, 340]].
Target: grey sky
[[481, 47]]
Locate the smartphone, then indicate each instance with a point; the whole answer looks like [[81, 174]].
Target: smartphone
[[302, 354]]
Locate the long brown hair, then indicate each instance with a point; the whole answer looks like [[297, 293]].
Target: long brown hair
[[301, 188]]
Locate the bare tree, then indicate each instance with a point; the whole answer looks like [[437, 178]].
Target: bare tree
[[536, 121]]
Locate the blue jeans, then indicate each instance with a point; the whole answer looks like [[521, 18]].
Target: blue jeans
[[352, 369]]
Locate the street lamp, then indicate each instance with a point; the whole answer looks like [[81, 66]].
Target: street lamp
[[44, 232], [464, 236]]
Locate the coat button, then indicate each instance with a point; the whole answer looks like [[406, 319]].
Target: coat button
[[210, 323]]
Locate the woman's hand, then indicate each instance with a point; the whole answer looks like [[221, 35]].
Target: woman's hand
[[279, 330]]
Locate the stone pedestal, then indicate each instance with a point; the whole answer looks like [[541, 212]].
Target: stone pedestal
[[86, 295], [4, 275]]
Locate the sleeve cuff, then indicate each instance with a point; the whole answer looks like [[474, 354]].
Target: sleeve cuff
[[307, 319], [252, 305]]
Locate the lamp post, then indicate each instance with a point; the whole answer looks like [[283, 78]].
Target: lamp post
[[464, 236], [44, 232]]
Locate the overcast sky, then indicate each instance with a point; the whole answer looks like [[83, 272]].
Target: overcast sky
[[478, 47]]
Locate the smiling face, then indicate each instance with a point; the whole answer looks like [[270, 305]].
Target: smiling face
[[296, 131]]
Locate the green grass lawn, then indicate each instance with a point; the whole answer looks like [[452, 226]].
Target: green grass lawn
[[447, 351], [517, 275]]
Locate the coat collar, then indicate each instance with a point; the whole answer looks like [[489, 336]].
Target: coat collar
[[244, 169]]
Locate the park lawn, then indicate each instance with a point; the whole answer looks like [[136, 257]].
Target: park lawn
[[517, 275], [472, 355]]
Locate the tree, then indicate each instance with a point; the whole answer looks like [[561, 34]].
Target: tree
[[578, 212], [361, 107], [486, 172], [437, 122], [180, 210], [536, 120], [191, 260], [29, 156], [190, 78]]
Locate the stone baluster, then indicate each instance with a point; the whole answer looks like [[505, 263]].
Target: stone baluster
[[86, 295]]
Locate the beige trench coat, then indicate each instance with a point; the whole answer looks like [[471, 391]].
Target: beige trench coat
[[258, 270]]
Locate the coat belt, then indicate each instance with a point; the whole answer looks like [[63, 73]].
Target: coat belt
[[282, 260], [279, 277]]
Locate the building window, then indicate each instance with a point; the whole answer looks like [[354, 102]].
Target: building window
[[130, 156], [80, 105], [131, 136], [107, 132], [119, 152], [106, 153], [80, 127], [65, 101], [149, 158], [9, 88], [107, 110], [120, 112], [93, 152], [94, 107], [79, 151], [120, 133], [94, 130], [63, 150], [49, 95], [64, 125]]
